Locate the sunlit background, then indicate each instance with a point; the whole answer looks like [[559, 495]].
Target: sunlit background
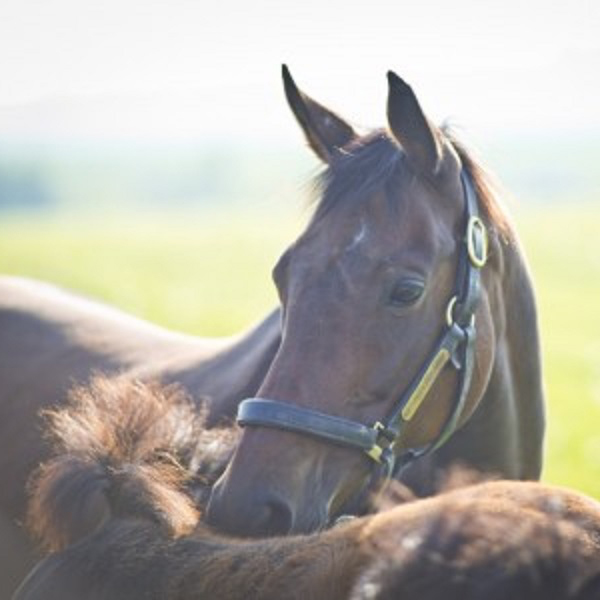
[[147, 156]]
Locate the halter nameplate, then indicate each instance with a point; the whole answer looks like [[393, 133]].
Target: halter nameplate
[[428, 379]]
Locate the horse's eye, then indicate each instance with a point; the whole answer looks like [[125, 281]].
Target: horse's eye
[[406, 292]]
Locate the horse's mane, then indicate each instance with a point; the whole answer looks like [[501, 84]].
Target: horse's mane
[[375, 161], [487, 188], [124, 448]]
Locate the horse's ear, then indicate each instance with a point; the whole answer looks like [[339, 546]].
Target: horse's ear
[[324, 130], [411, 128]]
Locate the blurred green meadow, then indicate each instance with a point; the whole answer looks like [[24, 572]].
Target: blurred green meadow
[[203, 275], [208, 273], [562, 242]]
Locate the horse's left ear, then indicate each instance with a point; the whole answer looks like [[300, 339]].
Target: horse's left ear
[[411, 128], [324, 130]]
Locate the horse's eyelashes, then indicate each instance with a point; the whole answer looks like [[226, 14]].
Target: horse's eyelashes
[[406, 292]]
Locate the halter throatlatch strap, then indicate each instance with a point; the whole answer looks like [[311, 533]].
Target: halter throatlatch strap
[[454, 347]]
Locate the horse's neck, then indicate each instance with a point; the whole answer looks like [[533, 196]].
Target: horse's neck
[[521, 347], [71, 336], [510, 415], [504, 434]]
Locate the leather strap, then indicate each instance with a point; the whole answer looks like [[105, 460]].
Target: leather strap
[[270, 413]]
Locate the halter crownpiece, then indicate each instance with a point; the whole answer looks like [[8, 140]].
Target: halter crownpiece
[[455, 346]]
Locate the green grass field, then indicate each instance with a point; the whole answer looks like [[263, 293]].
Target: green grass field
[[211, 276]]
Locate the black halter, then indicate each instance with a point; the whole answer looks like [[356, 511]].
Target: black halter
[[455, 346]]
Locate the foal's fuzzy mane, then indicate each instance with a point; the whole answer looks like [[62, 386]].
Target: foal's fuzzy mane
[[124, 448], [376, 162]]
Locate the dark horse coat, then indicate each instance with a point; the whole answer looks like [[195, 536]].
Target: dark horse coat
[[369, 294], [366, 291], [115, 508], [51, 339]]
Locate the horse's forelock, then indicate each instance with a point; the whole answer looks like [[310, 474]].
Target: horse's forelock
[[357, 171], [375, 162]]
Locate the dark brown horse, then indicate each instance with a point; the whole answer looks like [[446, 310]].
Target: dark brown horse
[[114, 507], [50, 339], [408, 318]]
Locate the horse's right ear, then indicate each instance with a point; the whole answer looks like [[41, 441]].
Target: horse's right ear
[[324, 130]]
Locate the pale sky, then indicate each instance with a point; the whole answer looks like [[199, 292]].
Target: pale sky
[[193, 70]]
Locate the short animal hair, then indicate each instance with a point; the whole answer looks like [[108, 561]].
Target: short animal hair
[[484, 550]]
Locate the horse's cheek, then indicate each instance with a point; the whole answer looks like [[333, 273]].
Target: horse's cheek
[[483, 357]]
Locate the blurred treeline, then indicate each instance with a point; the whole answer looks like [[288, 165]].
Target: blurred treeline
[[77, 178]]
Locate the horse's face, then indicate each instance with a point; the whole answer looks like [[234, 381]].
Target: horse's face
[[364, 293]]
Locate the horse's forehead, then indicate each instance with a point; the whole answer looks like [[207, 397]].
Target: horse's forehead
[[380, 222]]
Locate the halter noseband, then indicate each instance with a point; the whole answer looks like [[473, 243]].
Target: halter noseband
[[455, 346]]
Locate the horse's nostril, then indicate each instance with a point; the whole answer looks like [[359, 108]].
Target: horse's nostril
[[275, 517]]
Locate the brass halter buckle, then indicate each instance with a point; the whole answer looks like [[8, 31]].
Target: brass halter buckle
[[376, 451], [477, 242]]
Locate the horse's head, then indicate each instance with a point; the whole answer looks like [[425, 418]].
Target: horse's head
[[366, 296]]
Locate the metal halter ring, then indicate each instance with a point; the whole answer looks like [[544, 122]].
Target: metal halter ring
[[450, 312], [477, 241]]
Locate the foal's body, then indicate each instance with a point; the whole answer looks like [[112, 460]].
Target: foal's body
[[50, 339], [132, 560], [122, 526]]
